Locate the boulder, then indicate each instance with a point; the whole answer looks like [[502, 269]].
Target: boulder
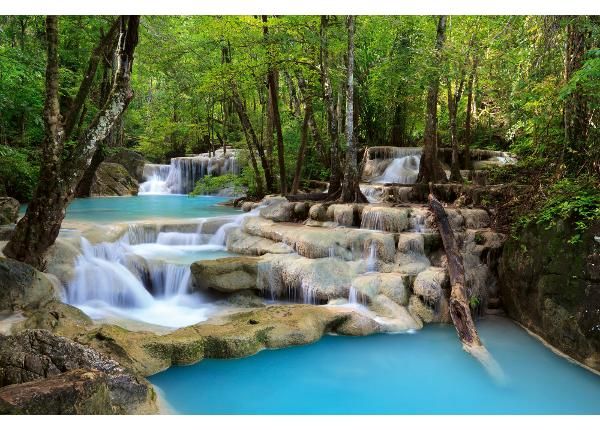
[[391, 285], [394, 317], [9, 210], [22, 286], [429, 284], [226, 275], [131, 160], [318, 212], [33, 355], [278, 209], [112, 179]]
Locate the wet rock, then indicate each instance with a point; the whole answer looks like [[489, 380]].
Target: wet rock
[[22, 286], [394, 220], [227, 275], [410, 256], [34, 355], [391, 285], [278, 209], [61, 258], [429, 284], [347, 215], [318, 212], [243, 243], [9, 210], [552, 287], [112, 179], [395, 318], [56, 316]]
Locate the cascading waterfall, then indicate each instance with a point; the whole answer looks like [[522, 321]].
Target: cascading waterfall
[[181, 175], [142, 276], [372, 259], [390, 164], [402, 170]]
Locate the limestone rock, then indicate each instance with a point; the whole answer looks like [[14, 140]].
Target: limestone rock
[[396, 318], [227, 275], [22, 286], [9, 210], [394, 220], [112, 179], [392, 285], [243, 243], [278, 209], [429, 284]]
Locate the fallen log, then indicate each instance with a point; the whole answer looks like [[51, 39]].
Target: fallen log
[[459, 302]]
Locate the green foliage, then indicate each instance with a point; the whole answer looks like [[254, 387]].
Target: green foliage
[[576, 201], [213, 184], [18, 173], [474, 302]]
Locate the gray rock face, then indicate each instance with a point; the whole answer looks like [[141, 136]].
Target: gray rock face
[[33, 355], [132, 161], [553, 287], [9, 210], [22, 286], [113, 179], [227, 275]]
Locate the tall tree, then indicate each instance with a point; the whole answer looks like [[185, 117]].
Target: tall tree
[[64, 161], [430, 169], [351, 187]]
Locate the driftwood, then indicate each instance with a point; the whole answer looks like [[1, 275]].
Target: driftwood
[[459, 303]]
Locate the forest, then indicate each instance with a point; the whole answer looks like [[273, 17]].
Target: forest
[[351, 174]]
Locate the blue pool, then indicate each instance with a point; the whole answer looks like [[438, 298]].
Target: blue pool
[[422, 373], [115, 209]]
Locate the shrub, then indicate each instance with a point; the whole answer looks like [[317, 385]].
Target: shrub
[[18, 173]]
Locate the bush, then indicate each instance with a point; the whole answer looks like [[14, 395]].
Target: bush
[[213, 184], [18, 173]]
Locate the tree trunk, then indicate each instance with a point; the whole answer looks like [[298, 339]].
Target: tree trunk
[[253, 140], [459, 302], [430, 169], [576, 118], [312, 124], [453, 100], [468, 162], [302, 151], [351, 187], [335, 178], [59, 175]]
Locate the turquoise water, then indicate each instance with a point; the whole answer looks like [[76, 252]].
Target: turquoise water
[[422, 373], [115, 209]]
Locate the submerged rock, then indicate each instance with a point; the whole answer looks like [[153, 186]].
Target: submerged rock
[[9, 210], [112, 179]]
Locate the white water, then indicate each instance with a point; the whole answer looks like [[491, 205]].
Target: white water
[[372, 260], [148, 280], [403, 170], [181, 175]]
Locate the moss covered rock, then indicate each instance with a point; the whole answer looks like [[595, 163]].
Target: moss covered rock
[[22, 286], [112, 179], [9, 210], [553, 287]]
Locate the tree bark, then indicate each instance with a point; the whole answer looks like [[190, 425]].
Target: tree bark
[[252, 140], [59, 175], [274, 93], [312, 124], [351, 187], [302, 150], [335, 178], [453, 100], [468, 162], [459, 302], [430, 169]]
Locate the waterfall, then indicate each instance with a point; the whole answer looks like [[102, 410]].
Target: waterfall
[[403, 170], [372, 260], [374, 194], [181, 175]]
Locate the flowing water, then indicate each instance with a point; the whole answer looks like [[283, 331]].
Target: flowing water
[[422, 373]]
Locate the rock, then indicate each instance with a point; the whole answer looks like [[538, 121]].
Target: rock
[[389, 284], [420, 310], [313, 242], [243, 243], [358, 324], [318, 212], [347, 215], [131, 160], [394, 317], [56, 316], [278, 209], [552, 287], [112, 179], [301, 210], [248, 206], [38, 354], [227, 275], [9, 210], [6, 232], [22, 286], [80, 391], [429, 284], [410, 256], [394, 220], [61, 258], [311, 280]]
